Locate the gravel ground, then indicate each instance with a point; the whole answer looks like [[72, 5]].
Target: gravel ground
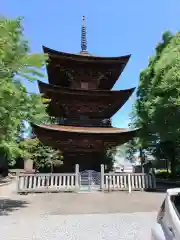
[[118, 226], [117, 215]]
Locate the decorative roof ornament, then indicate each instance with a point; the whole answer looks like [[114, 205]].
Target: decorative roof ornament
[[83, 36]]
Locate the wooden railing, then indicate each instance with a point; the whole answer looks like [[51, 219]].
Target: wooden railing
[[85, 122], [142, 181], [128, 181], [46, 182], [115, 181]]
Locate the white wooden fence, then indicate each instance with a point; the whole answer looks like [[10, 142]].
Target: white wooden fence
[[128, 181], [46, 182], [70, 182]]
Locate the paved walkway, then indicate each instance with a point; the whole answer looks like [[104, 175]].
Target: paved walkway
[[117, 215]]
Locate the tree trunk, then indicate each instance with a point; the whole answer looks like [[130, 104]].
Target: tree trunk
[[167, 165], [173, 165], [4, 165], [5, 171], [141, 155], [171, 152], [52, 168]]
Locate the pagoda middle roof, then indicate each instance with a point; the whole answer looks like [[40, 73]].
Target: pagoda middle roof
[[109, 101], [86, 57], [45, 87]]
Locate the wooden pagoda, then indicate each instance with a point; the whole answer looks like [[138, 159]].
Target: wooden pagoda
[[83, 104]]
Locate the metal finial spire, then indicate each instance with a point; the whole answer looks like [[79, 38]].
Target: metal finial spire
[[83, 36]]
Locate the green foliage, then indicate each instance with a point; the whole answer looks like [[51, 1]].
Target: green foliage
[[43, 156], [15, 57], [157, 102], [164, 174], [29, 148], [16, 104], [47, 158], [131, 148], [109, 158], [157, 108]]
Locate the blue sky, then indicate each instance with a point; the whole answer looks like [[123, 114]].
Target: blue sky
[[114, 28]]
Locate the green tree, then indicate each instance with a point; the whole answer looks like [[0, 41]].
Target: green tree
[[44, 157], [16, 103], [108, 159], [156, 111]]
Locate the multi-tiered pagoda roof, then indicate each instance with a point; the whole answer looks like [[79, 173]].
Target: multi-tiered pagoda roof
[[82, 102]]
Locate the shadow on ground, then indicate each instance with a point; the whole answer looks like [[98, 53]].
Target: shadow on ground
[[162, 187], [8, 205]]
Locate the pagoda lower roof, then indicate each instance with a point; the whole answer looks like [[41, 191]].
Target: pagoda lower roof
[[82, 139], [88, 130]]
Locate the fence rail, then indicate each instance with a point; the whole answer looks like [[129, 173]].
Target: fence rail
[[116, 181], [46, 182], [37, 182], [128, 181]]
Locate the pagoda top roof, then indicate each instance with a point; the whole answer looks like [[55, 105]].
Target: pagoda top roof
[[88, 130], [84, 56]]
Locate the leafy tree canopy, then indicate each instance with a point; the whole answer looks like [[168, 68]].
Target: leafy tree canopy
[[157, 108], [16, 104], [42, 156], [153, 94]]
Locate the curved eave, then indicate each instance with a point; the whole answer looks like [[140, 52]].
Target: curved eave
[[44, 88], [116, 99], [85, 57], [82, 130]]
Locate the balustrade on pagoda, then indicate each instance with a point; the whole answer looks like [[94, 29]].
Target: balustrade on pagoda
[[84, 122]]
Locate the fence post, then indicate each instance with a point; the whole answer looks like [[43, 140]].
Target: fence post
[[18, 183], [102, 177], [77, 177], [129, 183]]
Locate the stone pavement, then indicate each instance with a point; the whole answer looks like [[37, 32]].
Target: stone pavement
[[117, 215]]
